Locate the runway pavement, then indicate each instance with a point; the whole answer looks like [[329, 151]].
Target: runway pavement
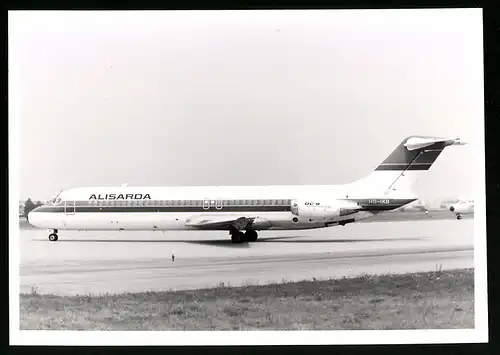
[[114, 262]]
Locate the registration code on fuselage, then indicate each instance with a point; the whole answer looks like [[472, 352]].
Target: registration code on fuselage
[[379, 202]]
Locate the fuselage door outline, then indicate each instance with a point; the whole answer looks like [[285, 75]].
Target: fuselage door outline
[[69, 207]]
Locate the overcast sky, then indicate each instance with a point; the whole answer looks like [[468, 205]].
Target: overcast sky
[[241, 98]]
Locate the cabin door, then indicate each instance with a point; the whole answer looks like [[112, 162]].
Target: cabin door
[[69, 207]]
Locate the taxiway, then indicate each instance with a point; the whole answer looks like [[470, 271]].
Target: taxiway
[[115, 262]]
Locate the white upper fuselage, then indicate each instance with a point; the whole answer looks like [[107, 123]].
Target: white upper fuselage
[[186, 208]]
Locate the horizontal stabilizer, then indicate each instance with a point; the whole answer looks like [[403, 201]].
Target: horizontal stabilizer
[[414, 143]]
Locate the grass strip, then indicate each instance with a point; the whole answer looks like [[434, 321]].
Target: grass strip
[[427, 300]]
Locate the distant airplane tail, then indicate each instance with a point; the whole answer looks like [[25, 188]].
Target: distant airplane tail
[[408, 162]]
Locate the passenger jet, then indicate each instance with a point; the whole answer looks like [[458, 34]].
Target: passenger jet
[[463, 206], [244, 210]]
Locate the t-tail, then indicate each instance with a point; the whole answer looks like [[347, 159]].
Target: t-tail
[[408, 163]]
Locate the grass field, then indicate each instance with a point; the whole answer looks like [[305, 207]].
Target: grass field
[[428, 300]]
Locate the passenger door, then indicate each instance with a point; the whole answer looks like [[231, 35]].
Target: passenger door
[[69, 207]]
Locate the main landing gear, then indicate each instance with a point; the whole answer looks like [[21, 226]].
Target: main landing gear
[[459, 217], [53, 237], [238, 237]]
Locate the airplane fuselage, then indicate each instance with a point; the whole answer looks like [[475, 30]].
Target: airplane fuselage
[[173, 208]]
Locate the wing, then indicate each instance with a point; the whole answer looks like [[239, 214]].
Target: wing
[[224, 223]]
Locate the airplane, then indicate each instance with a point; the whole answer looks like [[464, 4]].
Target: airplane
[[463, 206], [244, 210]]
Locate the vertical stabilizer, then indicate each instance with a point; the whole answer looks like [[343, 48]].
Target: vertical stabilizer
[[412, 158]]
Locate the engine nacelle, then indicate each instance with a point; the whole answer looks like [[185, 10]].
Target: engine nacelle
[[324, 210], [460, 208]]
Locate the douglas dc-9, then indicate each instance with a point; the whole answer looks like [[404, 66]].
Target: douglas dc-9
[[244, 210]]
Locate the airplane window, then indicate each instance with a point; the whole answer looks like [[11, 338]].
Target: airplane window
[[55, 201]]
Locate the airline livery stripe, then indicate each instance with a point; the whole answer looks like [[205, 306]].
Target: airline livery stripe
[[366, 204], [403, 167], [152, 209]]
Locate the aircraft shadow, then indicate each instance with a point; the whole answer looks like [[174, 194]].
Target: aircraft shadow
[[228, 243]]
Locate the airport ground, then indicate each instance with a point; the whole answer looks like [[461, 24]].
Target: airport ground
[[127, 264], [115, 262]]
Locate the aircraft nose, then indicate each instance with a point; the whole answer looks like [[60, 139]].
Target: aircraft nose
[[33, 216]]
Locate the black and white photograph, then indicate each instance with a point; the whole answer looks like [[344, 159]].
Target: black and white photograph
[[251, 177]]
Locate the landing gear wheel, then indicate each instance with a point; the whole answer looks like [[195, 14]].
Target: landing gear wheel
[[459, 217], [237, 237], [53, 237], [251, 236]]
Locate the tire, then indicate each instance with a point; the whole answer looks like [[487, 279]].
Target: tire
[[53, 237], [251, 236], [237, 237]]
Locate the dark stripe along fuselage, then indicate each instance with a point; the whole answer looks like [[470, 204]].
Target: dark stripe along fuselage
[[180, 206]]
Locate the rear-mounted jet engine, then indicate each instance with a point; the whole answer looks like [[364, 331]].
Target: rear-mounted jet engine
[[321, 211]]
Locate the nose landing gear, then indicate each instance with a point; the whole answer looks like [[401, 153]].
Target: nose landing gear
[[53, 237]]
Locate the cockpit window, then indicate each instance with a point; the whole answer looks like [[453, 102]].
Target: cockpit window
[[55, 201]]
